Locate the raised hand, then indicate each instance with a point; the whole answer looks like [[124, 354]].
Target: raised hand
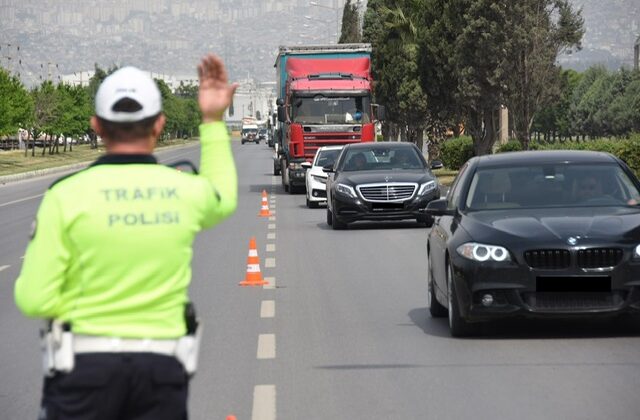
[[215, 93]]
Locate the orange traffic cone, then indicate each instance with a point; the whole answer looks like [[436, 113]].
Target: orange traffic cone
[[254, 276], [264, 211], [231, 417]]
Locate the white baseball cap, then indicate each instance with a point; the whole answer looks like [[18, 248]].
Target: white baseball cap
[[130, 83]]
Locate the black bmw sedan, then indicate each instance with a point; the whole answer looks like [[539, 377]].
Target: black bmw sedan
[[379, 181], [535, 234]]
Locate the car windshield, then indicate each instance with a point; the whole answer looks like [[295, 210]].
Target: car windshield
[[249, 131], [331, 110], [327, 157], [552, 185], [380, 158]]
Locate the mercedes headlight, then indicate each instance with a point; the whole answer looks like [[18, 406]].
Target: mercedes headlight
[[346, 190], [481, 252], [427, 187]]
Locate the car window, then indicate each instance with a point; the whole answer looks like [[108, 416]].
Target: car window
[[454, 192], [551, 185], [392, 158], [326, 157]]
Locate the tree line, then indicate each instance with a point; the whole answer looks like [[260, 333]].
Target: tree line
[[53, 113], [441, 66]]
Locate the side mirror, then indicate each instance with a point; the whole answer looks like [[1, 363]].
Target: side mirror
[[439, 208], [380, 113], [328, 169], [306, 165], [437, 164], [281, 114], [279, 101]]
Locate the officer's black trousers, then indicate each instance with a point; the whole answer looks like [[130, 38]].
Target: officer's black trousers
[[118, 386]]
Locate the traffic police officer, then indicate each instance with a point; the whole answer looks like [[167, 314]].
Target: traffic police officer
[[110, 255]]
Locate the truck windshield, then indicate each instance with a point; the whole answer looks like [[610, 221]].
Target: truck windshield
[[331, 110]]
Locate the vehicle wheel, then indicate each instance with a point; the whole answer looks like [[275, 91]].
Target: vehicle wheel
[[435, 308], [242, 141], [426, 220], [312, 204], [457, 326], [336, 224], [276, 169], [329, 217]]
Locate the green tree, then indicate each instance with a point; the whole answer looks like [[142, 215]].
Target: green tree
[[539, 31], [350, 31], [390, 28], [16, 105], [45, 112]]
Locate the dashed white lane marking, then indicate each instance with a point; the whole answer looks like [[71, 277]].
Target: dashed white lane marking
[[266, 346], [272, 218], [271, 247], [269, 262], [268, 309], [4, 267], [271, 226], [264, 402], [271, 281], [8, 203], [271, 235]]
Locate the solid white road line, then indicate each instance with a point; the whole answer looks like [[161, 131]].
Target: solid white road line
[[269, 262], [271, 226], [268, 309], [4, 267], [266, 346], [271, 235], [20, 200], [264, 403], [271, 247]]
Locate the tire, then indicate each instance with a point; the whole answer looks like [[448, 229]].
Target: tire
[[435, 308], [458, 327], [242, 141], [286, 187], [312, 204], [336, 224], [276, 169], [426, 220], [329, 217]]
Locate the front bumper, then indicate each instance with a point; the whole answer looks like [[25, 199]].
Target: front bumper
[[516, 291], [317, 191], [349, 209]]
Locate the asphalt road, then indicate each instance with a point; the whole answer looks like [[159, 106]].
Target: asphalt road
[[343, 332]]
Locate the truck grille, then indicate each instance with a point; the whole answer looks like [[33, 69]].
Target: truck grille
[[548, 259], [599, 257], [388, 192]]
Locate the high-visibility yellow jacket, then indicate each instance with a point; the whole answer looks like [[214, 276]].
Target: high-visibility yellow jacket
[[112, 244]]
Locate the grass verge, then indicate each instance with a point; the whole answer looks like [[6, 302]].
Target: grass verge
[[14, 161]]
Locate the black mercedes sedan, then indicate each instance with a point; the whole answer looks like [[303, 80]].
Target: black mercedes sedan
[[535, 234], [379, 181]]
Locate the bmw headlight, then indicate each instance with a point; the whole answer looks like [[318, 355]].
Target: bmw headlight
[[636, 253], [481, 252], [427, 187], [346, 190]]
